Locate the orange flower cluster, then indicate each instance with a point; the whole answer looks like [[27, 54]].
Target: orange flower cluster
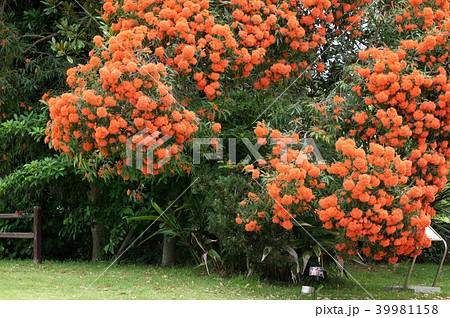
[[376, 207], [409, 103], [270, 40], [104, 114], [291, 185], [405, 107]]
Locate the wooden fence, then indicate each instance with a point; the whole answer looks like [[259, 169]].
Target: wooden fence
[[35, 235]]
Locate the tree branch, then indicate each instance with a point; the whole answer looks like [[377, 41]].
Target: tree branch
[[41, 40], [32, 36]]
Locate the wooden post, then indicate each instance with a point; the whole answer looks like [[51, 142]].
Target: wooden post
[[37, 246]]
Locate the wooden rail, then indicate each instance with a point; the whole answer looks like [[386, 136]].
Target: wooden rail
[[14, 216], [36, 235]]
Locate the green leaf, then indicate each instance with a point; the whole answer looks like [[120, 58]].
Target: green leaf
[[157, 208], [305, 259], [145, 218], [294, 254], [266, 252], [213, 253]]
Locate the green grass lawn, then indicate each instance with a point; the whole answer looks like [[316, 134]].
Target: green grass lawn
[[69, 280]]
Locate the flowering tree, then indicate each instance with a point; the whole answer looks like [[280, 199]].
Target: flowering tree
[[167, 61], [391, 149]]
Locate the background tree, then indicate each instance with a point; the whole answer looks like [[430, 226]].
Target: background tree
[[39, 41]]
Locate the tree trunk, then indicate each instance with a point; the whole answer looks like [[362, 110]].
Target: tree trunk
[[97, 240], [125, 242], [96, 228], [168, 256]]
